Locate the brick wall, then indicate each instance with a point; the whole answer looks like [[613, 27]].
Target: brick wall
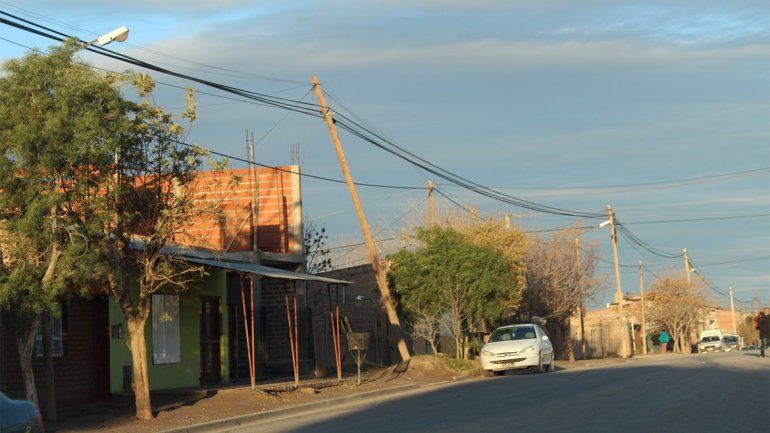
[[230, 194], [74, 372], [278, 350], [365, 315]]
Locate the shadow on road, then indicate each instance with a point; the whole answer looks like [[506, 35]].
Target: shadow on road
[[714, 394]]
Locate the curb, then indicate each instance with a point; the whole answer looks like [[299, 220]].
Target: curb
[[240, 420]]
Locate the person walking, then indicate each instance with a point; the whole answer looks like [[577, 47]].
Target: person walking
[[762, 324], [663, 338]]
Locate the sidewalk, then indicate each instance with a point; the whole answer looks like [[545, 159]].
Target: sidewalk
[[179, 409], [203, 409]]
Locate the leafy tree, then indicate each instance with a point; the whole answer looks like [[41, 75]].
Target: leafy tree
[[513, 244], [58, 121], [452, 278], [151, 200]]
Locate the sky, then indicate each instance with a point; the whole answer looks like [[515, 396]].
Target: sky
[[551, 101]]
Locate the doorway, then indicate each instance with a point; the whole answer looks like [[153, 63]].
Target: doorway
[[210, 336]]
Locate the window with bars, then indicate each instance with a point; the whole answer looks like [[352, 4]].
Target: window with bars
[[57, 338], [165, 329]]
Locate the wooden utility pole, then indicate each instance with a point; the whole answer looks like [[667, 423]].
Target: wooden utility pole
[[618, 286], [687, 269], [582, 306], [732, 312], [614, 238], [431, 204], [644, 317], [366, 231]]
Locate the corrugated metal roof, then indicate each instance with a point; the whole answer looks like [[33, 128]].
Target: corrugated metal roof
[[265, 271]]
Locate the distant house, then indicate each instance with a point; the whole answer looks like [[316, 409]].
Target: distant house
[[197, 336], [604, 327]]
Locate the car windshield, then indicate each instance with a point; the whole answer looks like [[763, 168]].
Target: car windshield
[[731, 339], [707, 339], [514, 333]]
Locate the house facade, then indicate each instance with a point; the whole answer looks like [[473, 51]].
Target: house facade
[[253, 256]]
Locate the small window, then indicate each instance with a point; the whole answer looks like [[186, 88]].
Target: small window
[[165, 329], [57, 338]]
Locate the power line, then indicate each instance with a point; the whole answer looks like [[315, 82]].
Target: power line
[[214, 68], [327, 179], [311, 109], [453, 201], [697, 179], [715, 218], [635, 240], [278, 102]]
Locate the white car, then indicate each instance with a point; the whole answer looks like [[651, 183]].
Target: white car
[[517, 346]]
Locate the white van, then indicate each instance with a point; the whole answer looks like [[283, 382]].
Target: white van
[[711, 340]]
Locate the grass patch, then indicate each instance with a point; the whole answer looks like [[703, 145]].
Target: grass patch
[[462, 367]]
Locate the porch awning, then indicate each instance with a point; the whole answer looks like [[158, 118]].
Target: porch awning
[[264, 271]]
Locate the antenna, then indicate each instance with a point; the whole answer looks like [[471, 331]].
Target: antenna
[[295, 153]]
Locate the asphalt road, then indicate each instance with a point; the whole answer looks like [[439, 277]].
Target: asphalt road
[[707, 393]]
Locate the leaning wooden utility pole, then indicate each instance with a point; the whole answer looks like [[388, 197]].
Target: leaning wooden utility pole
[[687, 269], [431, 204], [644, 317], [732, 312], [366, 231], [618, 287]]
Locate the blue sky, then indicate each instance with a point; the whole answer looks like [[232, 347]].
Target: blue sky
[[515, 94]]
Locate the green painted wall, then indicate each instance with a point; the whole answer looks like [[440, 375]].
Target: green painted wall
[[187, 372]]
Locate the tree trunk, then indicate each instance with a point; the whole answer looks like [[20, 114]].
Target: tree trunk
[[141, 383], [583, 354], [566, 338], [25, 340], [50, 386]]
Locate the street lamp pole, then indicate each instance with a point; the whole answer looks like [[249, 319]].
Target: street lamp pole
[[118, 35]]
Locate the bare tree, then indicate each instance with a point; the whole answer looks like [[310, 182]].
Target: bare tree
[[674, 306], [425, 324], [558, 283], [317, 258]]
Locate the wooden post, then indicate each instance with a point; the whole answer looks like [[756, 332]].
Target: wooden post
[[366, 231], [431, 205], [644, 317], [251, 336], [292, 324], [247, 337]]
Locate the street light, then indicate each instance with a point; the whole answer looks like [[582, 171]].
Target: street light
[[604, 224], [119, 35]]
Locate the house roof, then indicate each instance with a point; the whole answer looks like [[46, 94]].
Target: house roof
[[216, 260], [261, 270]]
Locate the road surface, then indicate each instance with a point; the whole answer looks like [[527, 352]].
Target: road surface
[[707, 393]]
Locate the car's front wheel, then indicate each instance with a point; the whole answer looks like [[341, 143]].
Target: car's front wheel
[[551, 366], [540, 368], [487, 373]]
